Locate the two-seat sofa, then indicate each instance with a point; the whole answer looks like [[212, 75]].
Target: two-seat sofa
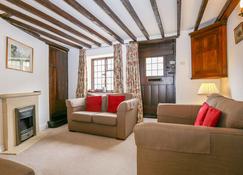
[[116, 125], [175, 146]]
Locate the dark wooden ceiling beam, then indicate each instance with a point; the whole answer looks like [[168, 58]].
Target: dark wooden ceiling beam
[[38, 36], [41, 24], [227, 10], [46, 17], [108, 11], [135, 17], [178, 18], [41, 32], [91, 17], [200, 14], [157, 17], [48, 4]]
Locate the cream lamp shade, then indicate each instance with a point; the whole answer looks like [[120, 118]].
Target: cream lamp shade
[[207, 89]]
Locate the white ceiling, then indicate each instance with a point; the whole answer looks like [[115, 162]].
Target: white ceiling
[[167, 10]]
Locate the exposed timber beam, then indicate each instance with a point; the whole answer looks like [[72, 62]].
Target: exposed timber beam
[[158, 40], [38, 36], [135, 17], [178, 18], [157, 17], [49, 18], [48, 4], [227, 10], [200, 14], [91, 17], [108, 11], [41, 32], [41, 24]]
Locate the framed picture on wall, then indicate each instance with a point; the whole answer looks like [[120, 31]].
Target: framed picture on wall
[[19, 56], [238, 31]]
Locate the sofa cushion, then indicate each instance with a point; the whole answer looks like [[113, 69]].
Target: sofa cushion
[[201, 114], [105, 118], [232, 111], [8, 167], [113, 102], [93, 103], [212, 117], [83, 116]]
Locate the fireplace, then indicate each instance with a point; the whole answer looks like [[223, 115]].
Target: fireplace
[[25, 123]]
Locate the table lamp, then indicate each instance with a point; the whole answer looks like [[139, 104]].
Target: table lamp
[[207, 89]]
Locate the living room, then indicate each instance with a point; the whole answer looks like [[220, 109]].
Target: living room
[[143, 87]]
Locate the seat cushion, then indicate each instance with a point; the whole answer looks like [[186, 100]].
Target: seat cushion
[[8, 167], [83, 116], [105, 118]]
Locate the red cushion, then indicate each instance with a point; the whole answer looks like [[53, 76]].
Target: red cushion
[[212, 117], [93, 103], [201, 114], [113, 102]]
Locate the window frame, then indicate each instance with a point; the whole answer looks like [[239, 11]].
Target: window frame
[[154, 76], [106, 70]]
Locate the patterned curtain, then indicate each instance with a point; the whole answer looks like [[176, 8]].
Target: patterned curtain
[[118, 73], [82, 75], [133, 76]]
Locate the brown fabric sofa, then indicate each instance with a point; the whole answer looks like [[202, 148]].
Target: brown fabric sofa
[[117, 125], [173, 146], [8, 167]]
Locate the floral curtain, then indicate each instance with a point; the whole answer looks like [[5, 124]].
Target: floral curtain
[[133, 76], [118, 73], [82, 75]]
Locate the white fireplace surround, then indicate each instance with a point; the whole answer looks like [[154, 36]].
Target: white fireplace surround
[[9, 103]]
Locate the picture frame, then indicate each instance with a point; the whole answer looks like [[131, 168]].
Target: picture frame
[[238, 32], [19, 56]]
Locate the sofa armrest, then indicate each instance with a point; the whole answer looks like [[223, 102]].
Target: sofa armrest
[[127, 113], [177, 113], [127, 105], [73, 105], [76, 103], [187, 138]]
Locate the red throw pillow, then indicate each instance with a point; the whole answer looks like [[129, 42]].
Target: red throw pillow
[[212, 117], [113, 102], [201, 114], [93, 103]]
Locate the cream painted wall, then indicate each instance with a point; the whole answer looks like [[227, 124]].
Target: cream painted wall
[[186, 89], [16, 81], [234, 84]]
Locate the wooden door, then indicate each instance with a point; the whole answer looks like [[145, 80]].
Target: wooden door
[[58, 85], [159, 88]]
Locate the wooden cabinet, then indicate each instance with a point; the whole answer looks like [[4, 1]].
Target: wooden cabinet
[[209, 52]]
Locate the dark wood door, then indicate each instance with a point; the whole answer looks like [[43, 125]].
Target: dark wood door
[[58, 85], [157, 88]]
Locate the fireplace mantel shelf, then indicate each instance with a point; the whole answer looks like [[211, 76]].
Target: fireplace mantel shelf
[[22, 94]]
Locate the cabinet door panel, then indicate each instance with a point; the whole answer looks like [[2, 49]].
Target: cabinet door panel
[[209, 52]]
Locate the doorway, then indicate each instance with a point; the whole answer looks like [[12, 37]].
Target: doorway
[[58, 86], [157, 63]]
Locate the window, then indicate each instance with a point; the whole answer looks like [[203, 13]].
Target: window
[[155, 66], [102, 73]]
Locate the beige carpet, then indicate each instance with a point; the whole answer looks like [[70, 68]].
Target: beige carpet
[[70, 153]]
